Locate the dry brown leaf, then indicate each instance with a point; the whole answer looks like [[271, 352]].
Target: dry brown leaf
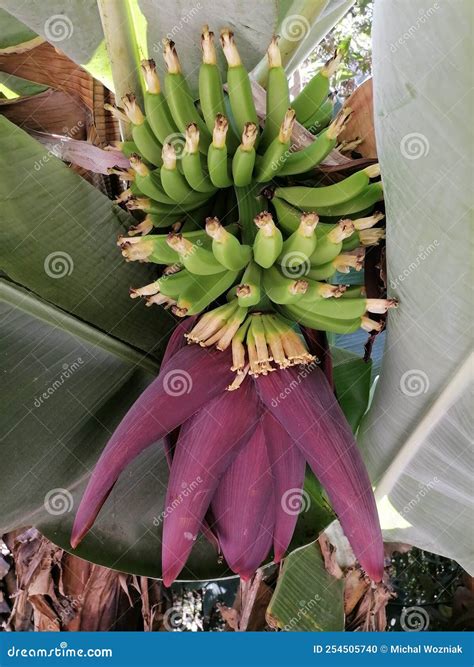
[[356, 585], [361, 123]]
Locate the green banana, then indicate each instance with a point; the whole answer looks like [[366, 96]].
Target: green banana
[[298, 248], [316, 90], [364, 234], [238, 84], [354, 292], [157, 112], [274, 158], [244, 157], [321, 117], [192, 162], [173, 182], [149, 182], [268, 241], [314, 321], [278, 96], [162, 210], [219, 170], [319, 290], [249, 292], [211, 94], [168, 284], [342, 263], [338, 309], [227, 248], [318, 199], [179, 98], [281, 289], [147, 248], [330, 245], [143, 136], [372, 194], [288, 216], [310, 156], [203, 291], [194, 256], [127, 147]]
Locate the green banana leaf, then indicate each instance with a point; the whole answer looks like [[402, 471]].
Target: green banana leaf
[[58, 240], [14, 32], [307, 598], [14, 86], [415, 437]]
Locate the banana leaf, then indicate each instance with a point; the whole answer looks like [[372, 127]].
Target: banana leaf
[[415, 437]]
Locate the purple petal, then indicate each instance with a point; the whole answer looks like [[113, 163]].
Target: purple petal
[[243, 507], [304, 404], [207, 445], [288, 468], [190, 379], [175, 343]]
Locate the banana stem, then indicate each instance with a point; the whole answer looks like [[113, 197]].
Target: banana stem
[[122, 50], [250, 205]]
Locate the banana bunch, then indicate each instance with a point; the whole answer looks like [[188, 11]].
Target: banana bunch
[[238, 229]]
